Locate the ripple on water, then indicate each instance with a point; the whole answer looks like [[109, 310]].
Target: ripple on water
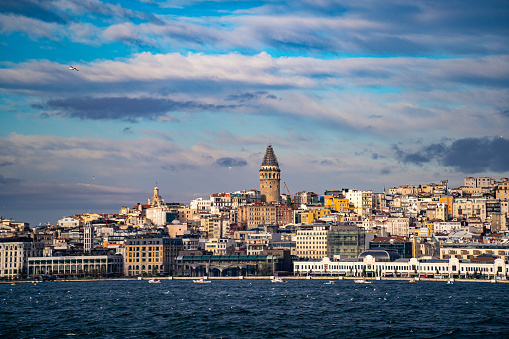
[[253, 309]]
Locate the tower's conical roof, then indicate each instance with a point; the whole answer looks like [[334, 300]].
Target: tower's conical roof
[[270, 158]]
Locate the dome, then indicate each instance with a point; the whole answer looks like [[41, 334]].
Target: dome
[[380, 254]]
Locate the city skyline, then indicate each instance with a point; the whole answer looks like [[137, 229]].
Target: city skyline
[[189, 94]]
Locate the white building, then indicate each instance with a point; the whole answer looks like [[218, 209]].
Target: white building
[[361, 200], [370, 266], [398, 226], [200, 205], [68, 222], [14, 257], [157, 215]]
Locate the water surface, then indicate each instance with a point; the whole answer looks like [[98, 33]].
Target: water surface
[[253, 309]]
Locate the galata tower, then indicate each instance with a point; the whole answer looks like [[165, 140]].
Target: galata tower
[[270, 177]]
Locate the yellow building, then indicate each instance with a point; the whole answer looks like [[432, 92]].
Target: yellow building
[[447, 200], [337, 203], [211, 246], [150, 256], [501, 192], [313, 215]]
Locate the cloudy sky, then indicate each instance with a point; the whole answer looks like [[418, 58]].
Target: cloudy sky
[[188, 94]]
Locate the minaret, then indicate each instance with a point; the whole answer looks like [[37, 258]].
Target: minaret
[[270, 177]]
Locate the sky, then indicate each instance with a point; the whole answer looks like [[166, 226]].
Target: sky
[[186, 95]]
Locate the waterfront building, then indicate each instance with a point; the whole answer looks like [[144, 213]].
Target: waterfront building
[[150, 256], [397, 244], [345, 240], [51, 267], [311, 240], [270, 177], [268, 262], [376, 263], [14, 255]]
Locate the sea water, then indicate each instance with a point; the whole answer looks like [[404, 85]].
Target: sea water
[[254, 309]]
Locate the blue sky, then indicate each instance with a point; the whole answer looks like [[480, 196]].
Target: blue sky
[[188, 94]]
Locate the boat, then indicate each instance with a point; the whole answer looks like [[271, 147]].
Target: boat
[[201, 281], [278, 280], [308, 276], [411, 280], [154, 281], [330, 282], [450, 281], [362, 281]]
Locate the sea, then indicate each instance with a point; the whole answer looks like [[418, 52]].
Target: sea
[[254, 309]]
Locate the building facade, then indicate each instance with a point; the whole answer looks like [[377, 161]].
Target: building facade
[[311, 241], [14, 256], [75, 266], [150, 256], [345, 240]]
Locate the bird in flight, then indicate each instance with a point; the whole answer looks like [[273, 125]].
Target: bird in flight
[[73, 68]]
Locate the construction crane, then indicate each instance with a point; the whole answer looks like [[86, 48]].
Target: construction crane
[[371, 209], [289, 195]]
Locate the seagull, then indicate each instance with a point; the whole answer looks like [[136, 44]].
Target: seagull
[[71, 68]]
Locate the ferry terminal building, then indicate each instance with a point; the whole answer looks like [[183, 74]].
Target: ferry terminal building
[[379, 262]]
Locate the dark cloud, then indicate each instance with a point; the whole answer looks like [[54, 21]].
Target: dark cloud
[[127, 130], [247, 96], [6, 163], [179, 167], [399, 28], [426, 154], [385, 171], [326, 163], [468, 155], [121, 108], [374, 156], [373, 116], [40, 10], [231, 162], [9, 181], [505, 113]]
